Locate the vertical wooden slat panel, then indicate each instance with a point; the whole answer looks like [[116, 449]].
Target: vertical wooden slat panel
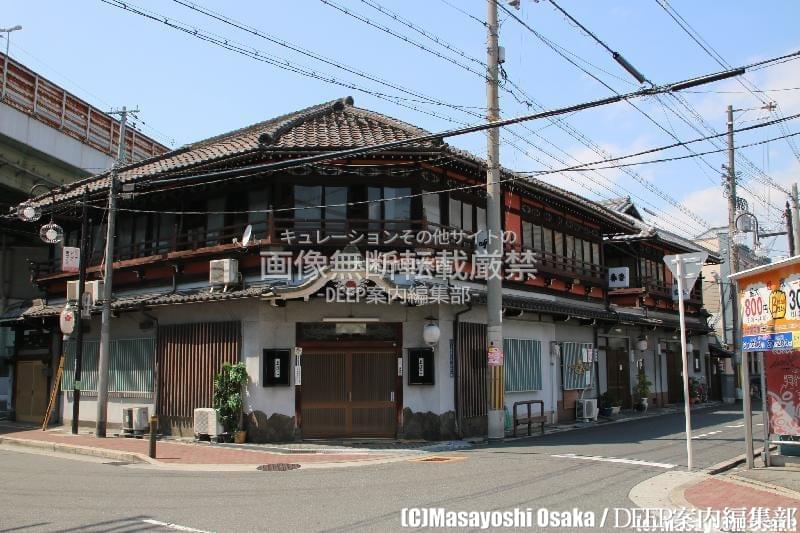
[[189, 357]]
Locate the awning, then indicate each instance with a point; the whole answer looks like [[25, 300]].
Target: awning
[[718, 351]]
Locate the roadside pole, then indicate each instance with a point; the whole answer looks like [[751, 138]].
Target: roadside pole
[[108, 272], [685, 268], [82, 261], [795, 218], [494, 285], [687, 411]]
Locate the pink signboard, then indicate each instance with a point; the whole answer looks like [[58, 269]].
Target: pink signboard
[[783, 391]]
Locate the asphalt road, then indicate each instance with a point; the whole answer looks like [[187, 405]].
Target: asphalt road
[[591, 469]]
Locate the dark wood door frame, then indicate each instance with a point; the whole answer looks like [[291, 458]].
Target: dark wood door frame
[[350, 348]]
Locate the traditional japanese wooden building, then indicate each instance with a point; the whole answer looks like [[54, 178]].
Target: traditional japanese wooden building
[[202, 234]]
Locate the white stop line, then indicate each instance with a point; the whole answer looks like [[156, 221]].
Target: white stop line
[[176, 527], [614, 460]]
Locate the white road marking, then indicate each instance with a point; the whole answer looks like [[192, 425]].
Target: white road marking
[[702, 435], [172, 526], [736, 426], [613, 460]]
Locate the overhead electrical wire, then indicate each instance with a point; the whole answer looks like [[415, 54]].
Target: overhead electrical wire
[[526, 100], [223, 18], [671, 134]]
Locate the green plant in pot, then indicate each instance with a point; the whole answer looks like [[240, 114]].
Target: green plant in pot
[[229, 399], [642, 389], [606, 404]]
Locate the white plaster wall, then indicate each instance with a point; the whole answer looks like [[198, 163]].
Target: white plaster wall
[[531, 328]]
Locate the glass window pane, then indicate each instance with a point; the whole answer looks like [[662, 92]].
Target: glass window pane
[[397, 209], [430, 208], [306, 198], [466, 217], [374, 208], [527, 238], [570, 246], [257, 200], [334, 196], [595, 253], [558, 243], [537, 237], [454, 212], [587, 252], [547, 234]]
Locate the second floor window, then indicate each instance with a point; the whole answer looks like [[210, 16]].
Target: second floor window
[[309, 213], [397, 212]]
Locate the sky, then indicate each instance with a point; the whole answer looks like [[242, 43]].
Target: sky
[[188, 89]]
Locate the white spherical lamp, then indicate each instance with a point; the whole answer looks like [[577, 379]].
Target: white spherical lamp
[[689, 347], [641, 344], [431, 333]]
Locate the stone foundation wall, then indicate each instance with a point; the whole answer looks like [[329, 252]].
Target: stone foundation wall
[[276, 428], [428, 426]]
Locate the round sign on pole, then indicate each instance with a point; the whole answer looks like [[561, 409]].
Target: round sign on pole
[[67, 320]]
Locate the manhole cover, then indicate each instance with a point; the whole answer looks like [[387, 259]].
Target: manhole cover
[[279, 467]]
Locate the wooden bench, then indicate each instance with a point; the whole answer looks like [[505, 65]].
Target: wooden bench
[[529, 418]]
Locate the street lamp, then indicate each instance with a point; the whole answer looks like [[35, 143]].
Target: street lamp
[[7, 31], [750, 224]]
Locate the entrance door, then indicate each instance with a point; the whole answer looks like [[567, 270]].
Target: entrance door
[[618, 373], [714, 373], [674, 375], [349, 393], [30, 398]]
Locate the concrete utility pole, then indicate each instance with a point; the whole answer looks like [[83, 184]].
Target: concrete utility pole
[[789, 228], [733, 251], [795, 237], [108, 272], [83, 260], [494, 285]]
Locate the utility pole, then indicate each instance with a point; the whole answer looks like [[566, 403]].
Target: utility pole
[[795, 218], [789, 227], [733, 254], [494, 285], [108, 272], [84, 259], [733, 251]]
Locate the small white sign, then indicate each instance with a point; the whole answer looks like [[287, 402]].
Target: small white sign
[[276, 368], [420, 366], [618, 278], [70, 259], [399, 366], [298, 375]]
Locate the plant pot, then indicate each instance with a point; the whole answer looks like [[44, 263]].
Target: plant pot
[[615, 409], [240, 437], [605, 411]]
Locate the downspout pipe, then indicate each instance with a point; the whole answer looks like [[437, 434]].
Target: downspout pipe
[[155, 360], [456, 320]]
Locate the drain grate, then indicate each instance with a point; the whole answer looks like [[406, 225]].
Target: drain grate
[[279, 467]]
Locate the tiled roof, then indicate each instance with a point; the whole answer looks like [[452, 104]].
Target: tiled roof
[[333, 125]]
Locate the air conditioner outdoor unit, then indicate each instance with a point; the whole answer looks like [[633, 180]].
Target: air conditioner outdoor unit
[[206, 422], [135, 420], [586, 409], [93, 288], [223, 271]]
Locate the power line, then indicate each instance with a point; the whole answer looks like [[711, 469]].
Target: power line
[[529, 101]]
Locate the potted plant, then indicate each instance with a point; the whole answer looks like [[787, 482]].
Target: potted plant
[[642, 390], [616, 405], [694, 391], [229, 399], [605, 404]]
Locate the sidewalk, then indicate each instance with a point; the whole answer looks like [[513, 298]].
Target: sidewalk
[[130, 450], [628, 415]]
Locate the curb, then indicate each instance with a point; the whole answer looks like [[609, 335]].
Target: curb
[[729, 464], [114, 455]]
